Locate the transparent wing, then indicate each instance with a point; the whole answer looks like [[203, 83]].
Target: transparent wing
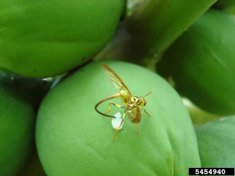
[[134, 114], [117, 81]]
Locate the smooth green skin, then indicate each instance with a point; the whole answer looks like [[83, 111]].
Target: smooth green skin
[[198, 116], [151, 26], [216, 142], [49, 37], [231, 10], [16, 132], [73, 139], [202, 63]]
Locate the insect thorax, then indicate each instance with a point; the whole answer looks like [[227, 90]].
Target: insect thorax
[[125, 95], [136, 101]]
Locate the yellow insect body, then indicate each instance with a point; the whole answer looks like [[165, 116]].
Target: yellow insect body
[[132, 105]]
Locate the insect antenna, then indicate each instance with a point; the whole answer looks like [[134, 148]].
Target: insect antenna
[[148, 93]]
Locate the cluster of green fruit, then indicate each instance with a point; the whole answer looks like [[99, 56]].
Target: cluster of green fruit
[[51, 79]]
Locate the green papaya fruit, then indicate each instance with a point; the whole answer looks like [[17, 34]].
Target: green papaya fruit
[[73, 139], [16, 132], [201, 63], [216, 141], [48, 37]]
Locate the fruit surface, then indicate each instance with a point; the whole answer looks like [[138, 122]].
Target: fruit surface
[[73, 139], [49, 37], [202, 63], [16, 132], [216, 142]]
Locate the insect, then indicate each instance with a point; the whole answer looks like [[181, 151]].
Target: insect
[[132, 105]]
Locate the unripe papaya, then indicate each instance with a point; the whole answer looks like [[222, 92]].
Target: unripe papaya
[[16, 132], [216, 141], [48, 37], [201, 63], [73, 139]]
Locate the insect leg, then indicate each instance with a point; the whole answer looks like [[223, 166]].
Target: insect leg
[[117, 95], [149, 115], [114, 104], [137, 129], [115, 134], [117, 130]]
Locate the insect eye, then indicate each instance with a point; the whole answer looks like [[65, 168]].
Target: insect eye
[[143, 102], [133, 99]]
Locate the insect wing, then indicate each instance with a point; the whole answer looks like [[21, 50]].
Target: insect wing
[[117, 81], [134, 114]]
